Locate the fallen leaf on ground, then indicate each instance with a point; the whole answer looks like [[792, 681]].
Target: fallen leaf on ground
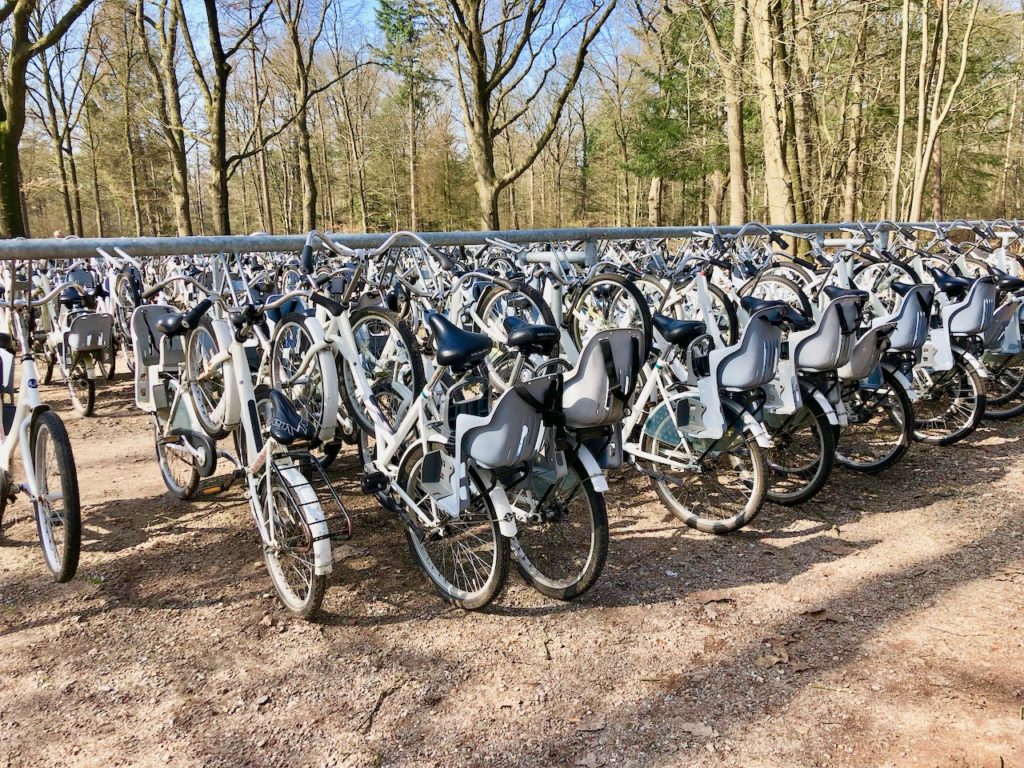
[[346, 551], [591, 726], [713, 596], [698, 729], [767, 662], [837, 549], [822, 614]]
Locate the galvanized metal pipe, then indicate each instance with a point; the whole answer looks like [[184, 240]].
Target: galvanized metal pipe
[[78, 248]]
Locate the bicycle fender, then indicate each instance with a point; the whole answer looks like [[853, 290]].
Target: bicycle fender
[[38, 411], [972, 361], [433, 438], [826, 406], [506, 515], [331, 389], [761, 435], [313, 515], [907, 384], [593, 469]]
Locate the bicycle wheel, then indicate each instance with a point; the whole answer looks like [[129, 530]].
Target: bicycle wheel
[[106, 360], [290, 559], [608, 301], [466, 559], [804, 453], [772, 287], [494, 306], [562, 555], [206, 384], [390, 361], [1004, 387], [58, 510], [877, 278], [880, 426], [715, 486], [177, 467], [126, 299], [683, 303], [312, 389], [83, 390], [950, 405]]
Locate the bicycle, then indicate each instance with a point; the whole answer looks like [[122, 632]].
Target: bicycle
[[51, 478]]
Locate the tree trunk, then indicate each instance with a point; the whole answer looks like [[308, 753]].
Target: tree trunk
[[414, 213], [487, 194], [12, 220], [897, 168], [95, 172], [937, 181], [654, 202], [778, 187], [716, 198], [76, 190], [854, 131], [309, 191], [737, 153], [133, 172], [328, 179], [56, 140]]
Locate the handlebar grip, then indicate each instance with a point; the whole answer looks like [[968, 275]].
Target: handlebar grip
[[152, 292], [907, 232], [196, 313], [307, 259], [779, 240]]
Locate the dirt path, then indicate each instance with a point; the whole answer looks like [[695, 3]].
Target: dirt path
[[882, 624]]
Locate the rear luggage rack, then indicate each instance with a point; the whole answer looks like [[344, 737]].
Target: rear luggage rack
[[339, 524]]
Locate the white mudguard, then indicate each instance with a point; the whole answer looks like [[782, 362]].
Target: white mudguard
[[973, 362], [592, 468], [826, 406]]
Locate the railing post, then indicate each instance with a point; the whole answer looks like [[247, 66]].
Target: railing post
[[590, 252]]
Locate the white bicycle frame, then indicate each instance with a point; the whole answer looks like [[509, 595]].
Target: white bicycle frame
[[239, 411]]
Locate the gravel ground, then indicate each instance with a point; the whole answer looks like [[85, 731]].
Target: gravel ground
[[881, 624]]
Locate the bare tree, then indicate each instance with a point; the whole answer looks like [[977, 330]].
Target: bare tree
[[731, 63], [20, 48], [163, 71], [510, 51]]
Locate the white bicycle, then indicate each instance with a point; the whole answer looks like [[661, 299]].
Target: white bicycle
[[51, 480], [270, 437]]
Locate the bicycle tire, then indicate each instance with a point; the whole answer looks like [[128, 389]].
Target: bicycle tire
[[624, 285], [62, 560], [483, 519], [181, 490], [905, 405], [288, 485], [685, 512], [810, 414], [976, 384], [532, 569], [381, 380], [209, 396]]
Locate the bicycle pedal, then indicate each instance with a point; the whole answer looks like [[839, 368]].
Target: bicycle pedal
[[374, 482]]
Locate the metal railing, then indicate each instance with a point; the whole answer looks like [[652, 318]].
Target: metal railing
[[74, 248]]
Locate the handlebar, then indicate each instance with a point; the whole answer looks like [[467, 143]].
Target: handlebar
[[47, 298]]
